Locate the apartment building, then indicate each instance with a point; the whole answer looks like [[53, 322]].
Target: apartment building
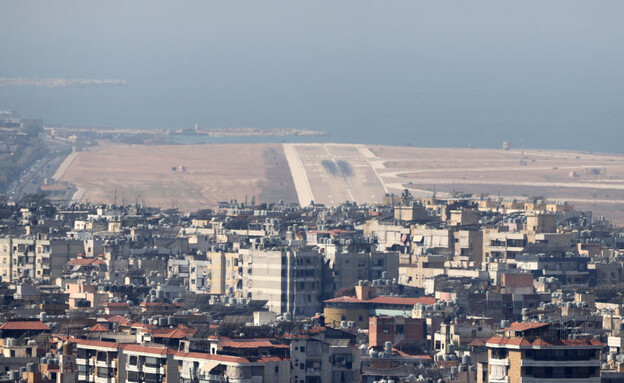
[[533, 352], [36, 258], [415, 270], [468, 246], [502, 245], [348, 268], [200, 367], [290, 280], [402, 332], [148, 364], [209, 273], [17, 258], [321, 358], [223, 266], [97, 361], [109, 362]]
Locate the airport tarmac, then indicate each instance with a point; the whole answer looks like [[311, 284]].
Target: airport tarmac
[[334, 173]]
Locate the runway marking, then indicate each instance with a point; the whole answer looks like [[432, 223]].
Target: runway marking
[[299, 175], [344, 180], [367, 154]]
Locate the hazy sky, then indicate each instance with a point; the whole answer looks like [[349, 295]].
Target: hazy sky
[[440, 73]]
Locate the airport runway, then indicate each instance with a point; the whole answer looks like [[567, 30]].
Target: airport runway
[[334, 173]]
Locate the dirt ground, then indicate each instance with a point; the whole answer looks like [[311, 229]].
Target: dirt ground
[[206, 174], [203, 175], [591, 181]]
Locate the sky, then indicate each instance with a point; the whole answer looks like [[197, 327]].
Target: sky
[[545, 74]]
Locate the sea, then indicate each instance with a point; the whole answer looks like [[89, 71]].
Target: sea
[[536, 74]]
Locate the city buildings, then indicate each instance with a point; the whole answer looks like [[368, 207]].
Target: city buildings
[[432, 290]]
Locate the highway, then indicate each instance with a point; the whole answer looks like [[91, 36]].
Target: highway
[[31, 178]]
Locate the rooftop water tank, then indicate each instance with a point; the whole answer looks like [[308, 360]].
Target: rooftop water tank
[[388, 347]]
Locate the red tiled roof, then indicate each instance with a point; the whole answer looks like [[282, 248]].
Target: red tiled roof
[[24, 325], [172, 333], [476, 343], [147, 350], [544, 343], [523, 326], [518, 342], [86, 261], [117, 318], [403, 300], [406, 355], [246, 343], [98, 328], [495, 340], [295, 336], [271, 359], [508, 341]]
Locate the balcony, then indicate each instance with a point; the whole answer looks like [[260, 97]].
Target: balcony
[[133, 368], [499, 362], [154, 370], [560, 363]]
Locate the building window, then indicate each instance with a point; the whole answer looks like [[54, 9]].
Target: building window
[[103, 372], [385, 330], [151, 362], [499, 353]]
